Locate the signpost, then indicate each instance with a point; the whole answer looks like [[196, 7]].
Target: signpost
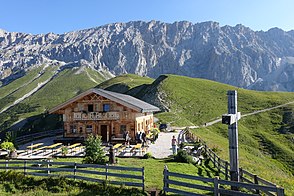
[[231, 119]]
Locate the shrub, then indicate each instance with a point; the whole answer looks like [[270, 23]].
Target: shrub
[[94, 151], [216, 149], [148, 155], [7, 146], [183, 157], [64, 150]]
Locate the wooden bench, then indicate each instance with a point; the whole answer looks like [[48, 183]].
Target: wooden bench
[[54, 145], [74, 145], [116, 147], [41, 148], [34, 146], [121, 149], [137, 148]]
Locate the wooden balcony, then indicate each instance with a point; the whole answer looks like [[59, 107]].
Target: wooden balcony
[[96, 116]]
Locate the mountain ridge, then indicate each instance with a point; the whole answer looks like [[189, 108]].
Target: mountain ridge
[[232, 55]]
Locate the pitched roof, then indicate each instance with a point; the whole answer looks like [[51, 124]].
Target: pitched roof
[[126, 100]]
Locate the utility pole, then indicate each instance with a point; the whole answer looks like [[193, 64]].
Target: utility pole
[[231, 119]]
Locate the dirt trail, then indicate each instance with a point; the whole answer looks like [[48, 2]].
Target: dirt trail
[[242, 115]]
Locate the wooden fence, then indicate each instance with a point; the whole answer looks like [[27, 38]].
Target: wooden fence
[[117, 175], [34, 136], [175, 183], [223, 167]]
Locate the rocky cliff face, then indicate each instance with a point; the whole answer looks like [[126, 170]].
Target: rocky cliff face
[[233, 55]]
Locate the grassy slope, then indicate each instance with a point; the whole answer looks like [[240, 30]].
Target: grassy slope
[[195, 101], [124, 83], [198, 101], [20, 91], [263, 150], [64, 86], [5, 90]]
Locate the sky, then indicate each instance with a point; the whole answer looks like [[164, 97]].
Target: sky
[[60, 16]]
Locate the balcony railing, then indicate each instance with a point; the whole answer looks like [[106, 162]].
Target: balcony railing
[[96, 116]]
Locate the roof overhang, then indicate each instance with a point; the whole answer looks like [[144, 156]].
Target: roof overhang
[[122, 99]]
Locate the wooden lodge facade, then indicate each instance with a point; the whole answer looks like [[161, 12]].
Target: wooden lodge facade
[[105, 113]]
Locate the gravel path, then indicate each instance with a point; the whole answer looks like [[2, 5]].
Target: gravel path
[[162, 146]]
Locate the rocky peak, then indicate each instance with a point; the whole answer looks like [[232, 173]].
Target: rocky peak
[[234, 55]]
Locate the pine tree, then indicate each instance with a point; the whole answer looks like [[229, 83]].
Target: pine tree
[[94, 152]]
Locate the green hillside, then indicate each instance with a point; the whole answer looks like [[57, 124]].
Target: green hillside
[[24, 85], [194, 101], [266, 140], [60, 88], [124, 83], [16, 84]]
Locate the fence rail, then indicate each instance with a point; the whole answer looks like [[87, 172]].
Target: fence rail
[[223, 167], [116, 175], [172, 181]]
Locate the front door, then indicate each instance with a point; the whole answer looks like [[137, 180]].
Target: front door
[[103, 129]]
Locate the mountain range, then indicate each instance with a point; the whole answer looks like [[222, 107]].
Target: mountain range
[[261, 60]]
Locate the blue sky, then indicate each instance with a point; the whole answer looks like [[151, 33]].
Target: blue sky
[[59, 16]]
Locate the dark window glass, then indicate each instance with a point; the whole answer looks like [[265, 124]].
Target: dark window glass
[[106, 107], [89, 128], [73, 128], [123, 129], [90, 108]]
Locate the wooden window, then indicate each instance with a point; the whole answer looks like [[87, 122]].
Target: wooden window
[[123, 129], [89, 128], [106, 107], [73, 129], [90, 108]]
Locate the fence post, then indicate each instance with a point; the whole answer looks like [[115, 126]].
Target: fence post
[[227, 170], [25, 167], [106, 170], [214, 160], [216, 186], [143, 179], [218, 165], [255, 182], [165, 178], [280, 191], [205, 150], [75, 170], [6, 165], [241, 174], [48, 168]]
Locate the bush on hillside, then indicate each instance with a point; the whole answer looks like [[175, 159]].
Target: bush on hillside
[[94, 151], [64, 150], [183, 157], [7, 146], [148, 155]]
